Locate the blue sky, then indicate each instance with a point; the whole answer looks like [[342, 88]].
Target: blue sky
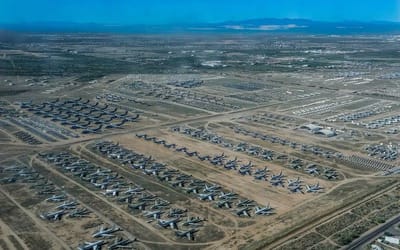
[[191, 11]]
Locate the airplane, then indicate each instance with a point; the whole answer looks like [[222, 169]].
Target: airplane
[[205, 196], [222, 203], [68, 122], [160, 204], [294, 182], [231, 164], [229, 195], [277, 176], [61, 118], [132, 118], [313, 188], [116, 125], [192, 221], [217, 160], [156, 214], [105, 232], [169, 223], [260, 176], [151, 171], [191, 153], [67, 205], [189, 233], [176, 212], [295, 188], [248, 165], [330, 175], [112, 192], [79, 126], [179, 183], [120, 243], [56, 198], [202, 158], [261, 171], [244, 170], [104, 108], [92, 131], [245, 203], [25, 105], [133, 190], [211, 188], [56, 215], [267, 210], [312, 170], [147, 197], [120, 115], [127, 198], [140, 206], [276, 182], [102, 185], [92, 245], [7, 180], [80, 212], [194, 190], [242, 212]]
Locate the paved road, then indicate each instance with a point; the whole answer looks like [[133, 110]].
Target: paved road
[[369, 236]]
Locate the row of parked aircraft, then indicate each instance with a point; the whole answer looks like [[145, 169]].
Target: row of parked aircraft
[[188, 184], [82, 115], [255, 151], [233, 164], [119, 190], [63, 205]]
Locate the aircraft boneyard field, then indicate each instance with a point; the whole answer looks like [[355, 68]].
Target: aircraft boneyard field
[[127, 147]]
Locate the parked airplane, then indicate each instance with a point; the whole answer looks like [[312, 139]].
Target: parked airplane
[[80, 126], [67, 205], [245, 203], [105, 232], [229, 195], [135, 190], [294, 182], [92, 131], [312, 169], [277, 176], [205, 196], [92, 245], [276, 182], [243, 212], [313, 188], [159, 203], [112, 192], [188, 233], [194, 190], [56, 215], [140, 206], [169, 223], [57, 198], [223, 203], [296, 188], [116, 125], [155, 214], [211, 188], [120, 243], [192, 221], [267, 210]]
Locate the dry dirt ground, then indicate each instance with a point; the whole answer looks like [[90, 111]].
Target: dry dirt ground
[[211, 106]]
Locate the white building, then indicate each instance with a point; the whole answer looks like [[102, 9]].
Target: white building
[[392, 240]]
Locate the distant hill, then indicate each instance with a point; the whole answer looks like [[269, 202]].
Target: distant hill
[[266, 25], [306, 26]]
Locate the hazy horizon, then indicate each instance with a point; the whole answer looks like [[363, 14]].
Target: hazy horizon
[[157, 12]]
